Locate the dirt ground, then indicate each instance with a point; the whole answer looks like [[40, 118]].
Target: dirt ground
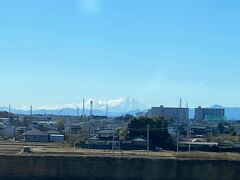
[[12, 148]]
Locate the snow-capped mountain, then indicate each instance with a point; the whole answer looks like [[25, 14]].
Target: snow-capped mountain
[[119, 105], [115, 107]]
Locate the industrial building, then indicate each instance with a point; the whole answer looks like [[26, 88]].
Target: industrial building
[[209, 113], [170, 113]]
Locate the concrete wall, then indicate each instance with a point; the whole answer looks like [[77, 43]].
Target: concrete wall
[[54, 167]]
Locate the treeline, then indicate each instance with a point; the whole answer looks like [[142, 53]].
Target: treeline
[[157, 127], [5, 114]]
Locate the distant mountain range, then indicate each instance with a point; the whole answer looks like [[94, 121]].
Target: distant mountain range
[[232, 113], [116, 107]]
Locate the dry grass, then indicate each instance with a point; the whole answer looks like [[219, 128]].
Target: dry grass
[[207, 156], [95, 152], [60, 149]]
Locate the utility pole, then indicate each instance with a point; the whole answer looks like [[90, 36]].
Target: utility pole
[[188, 129], [177, 137], [9, 112], [91, 114], [148, 140], [89, 128], [211, 135], [83, 109], [9, 117], [9, 108], [180, 106], [113, 141], [78, 113], [188, 132], [162, 130], [107, 110]]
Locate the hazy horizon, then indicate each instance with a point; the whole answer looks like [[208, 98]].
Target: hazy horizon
[[58, 52], [100, 104]]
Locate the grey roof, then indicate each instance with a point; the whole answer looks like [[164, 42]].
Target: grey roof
[[93, 138], [138, 139], [34, 132], [105, 131], [53, 132]]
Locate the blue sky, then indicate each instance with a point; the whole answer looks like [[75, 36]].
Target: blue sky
[[59, 51]]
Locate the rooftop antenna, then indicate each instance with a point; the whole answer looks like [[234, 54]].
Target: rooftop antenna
[[91, 108]]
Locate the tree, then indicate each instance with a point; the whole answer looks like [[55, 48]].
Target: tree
[[125, 118], [158, 130], [74, 139], [60, 124], [221, 127], [5, 114]]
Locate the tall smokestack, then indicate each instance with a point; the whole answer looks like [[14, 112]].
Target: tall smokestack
[[31, 109], [83, 109], [91, 108]]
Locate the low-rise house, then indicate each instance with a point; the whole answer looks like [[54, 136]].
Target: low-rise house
[[197, 130], [18, 132], [139, 142], [206, 146], [51, 132], [73, 127], [5, 121], [106, 134], [55, 136], [103, 139], [35, 135], [8, 131]]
